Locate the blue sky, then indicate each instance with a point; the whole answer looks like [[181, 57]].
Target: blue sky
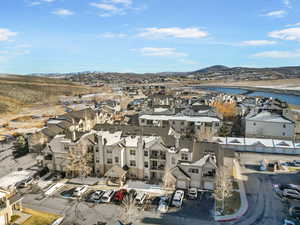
[[146, 35]]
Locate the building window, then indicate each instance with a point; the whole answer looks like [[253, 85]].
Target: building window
[[149, 122], [143, 120], [146, 164], [254, 124], [116, 160], [132, 163], [184, 157], [173, 122], [97, 161], [192, 170], [146, 153], [284, 126], [97, 150], [66, 148], [108, 151], [182, 123], [132, 152], [109, 161], [283, 133]]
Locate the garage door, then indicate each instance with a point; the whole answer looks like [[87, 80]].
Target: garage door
[[2, 220], [181, 184], [195, 184], [208, 185]]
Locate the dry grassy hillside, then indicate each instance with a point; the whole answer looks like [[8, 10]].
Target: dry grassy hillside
[[19, 91]]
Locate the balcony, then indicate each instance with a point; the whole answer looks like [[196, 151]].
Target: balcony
[[2, 204], [160, 167], [154, 156]]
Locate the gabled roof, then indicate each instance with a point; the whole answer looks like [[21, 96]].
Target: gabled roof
[[115, 172], [178, 173], [267, 116], [205, 159]]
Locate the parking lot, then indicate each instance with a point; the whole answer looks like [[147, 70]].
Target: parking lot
[[265, 206], [78, 211]]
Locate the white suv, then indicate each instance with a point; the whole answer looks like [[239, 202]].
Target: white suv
[[178, 198], [290, 193], [107, 196], [80, 190]]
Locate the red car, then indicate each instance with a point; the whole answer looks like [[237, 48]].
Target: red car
[[120, 195]]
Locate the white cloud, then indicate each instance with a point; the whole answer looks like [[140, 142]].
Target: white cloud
[[287, 3], [175, 32], [112, 35], [257, 43], [279, 54], [151, 51], [125, 2], [63, 12], [6, 34], [104, 6], [35, 3], [277, 14], [287, 34], [293, 25]]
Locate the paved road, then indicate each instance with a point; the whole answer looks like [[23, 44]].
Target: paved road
[[265, 207]]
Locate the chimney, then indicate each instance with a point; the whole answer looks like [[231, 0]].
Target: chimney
[[177, 142], [73, 135]]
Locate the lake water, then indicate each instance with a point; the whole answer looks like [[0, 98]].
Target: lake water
[[291, 99]]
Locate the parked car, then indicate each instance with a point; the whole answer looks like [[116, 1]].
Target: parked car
[[289, 186], [263, 165], [95, 196], [80, 190], [288, 222], [119, 195], [107, 196], [68, 193], [163, 206], [25, 183], [193, 193], [140, 198], [290, 193], [295, 211], [296, 163], [178, 198]]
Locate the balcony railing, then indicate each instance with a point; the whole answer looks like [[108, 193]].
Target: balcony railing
[[160, 167], [2, 205], [152, 156]]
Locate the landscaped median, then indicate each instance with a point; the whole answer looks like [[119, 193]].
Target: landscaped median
[[39, 217], [237, 204]]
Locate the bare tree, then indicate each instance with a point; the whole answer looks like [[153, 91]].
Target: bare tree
[[168, 180], [205, 134], [79, 162], [130, 209], [224, 188]]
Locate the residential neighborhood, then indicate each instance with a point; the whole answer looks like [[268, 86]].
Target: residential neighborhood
[[181, 153], [149, 112]]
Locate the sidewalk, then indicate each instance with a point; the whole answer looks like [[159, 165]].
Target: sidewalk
[[244, 202]]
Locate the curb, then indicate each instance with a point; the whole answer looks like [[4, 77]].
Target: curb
[[244, 202]]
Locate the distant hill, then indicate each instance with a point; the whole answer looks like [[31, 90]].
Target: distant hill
[[211, 69], [217, 72], [17, 91]]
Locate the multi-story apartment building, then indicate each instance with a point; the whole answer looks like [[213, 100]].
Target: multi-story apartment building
[[147, 158], [8, 204]]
